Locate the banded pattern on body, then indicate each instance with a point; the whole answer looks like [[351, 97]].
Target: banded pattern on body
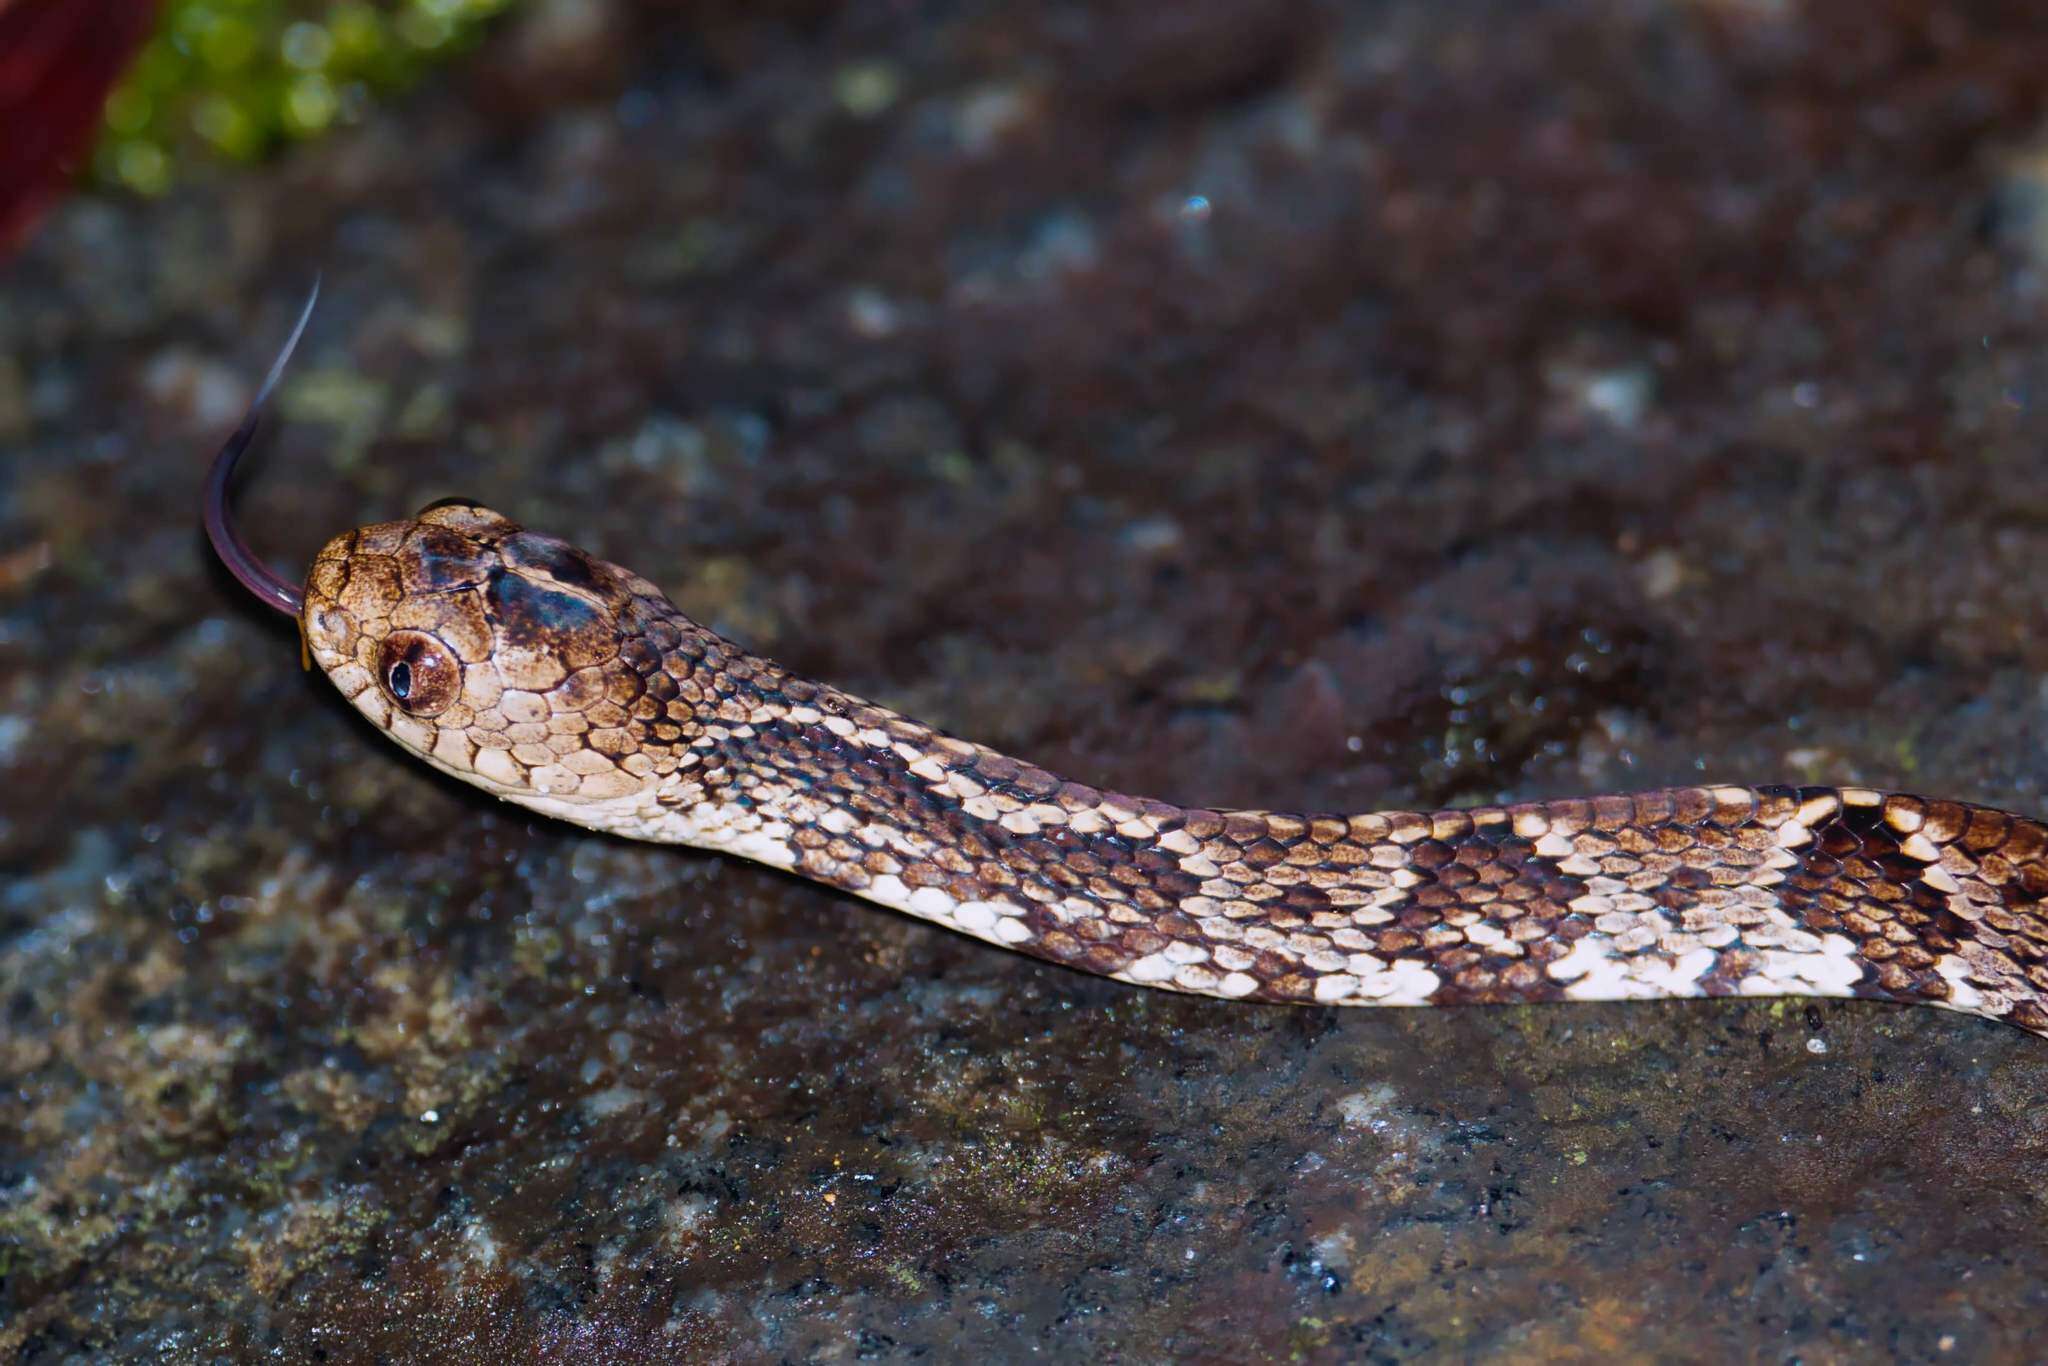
[[575, 688]]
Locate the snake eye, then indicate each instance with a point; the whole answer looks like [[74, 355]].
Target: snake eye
[[420, 674]]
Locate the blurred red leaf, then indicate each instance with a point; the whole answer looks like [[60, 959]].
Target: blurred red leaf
[[58, 60]]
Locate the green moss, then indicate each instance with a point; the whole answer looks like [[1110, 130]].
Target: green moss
[[233, 79]]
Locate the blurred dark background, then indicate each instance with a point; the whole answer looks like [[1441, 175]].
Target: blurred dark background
[[1303, 406]]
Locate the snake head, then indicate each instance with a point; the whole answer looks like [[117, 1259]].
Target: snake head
[[498, 654]]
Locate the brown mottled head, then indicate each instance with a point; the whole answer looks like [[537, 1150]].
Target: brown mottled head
[[490, 650]]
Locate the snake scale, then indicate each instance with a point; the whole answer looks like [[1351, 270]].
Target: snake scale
[[571, 686]]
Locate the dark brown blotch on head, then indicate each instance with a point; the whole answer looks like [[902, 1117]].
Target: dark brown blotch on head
[[559, 560], [437, 559], [535, 617]]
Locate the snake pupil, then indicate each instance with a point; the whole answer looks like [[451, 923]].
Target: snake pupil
[[401, 680]]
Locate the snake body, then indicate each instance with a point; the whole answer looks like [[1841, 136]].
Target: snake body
[[573, 687]]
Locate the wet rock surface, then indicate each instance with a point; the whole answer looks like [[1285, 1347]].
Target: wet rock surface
[[1280, 406]]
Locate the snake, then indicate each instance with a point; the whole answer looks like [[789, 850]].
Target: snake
[[565, 684]]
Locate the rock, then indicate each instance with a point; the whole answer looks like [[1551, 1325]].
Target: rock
[[1469, 416]]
